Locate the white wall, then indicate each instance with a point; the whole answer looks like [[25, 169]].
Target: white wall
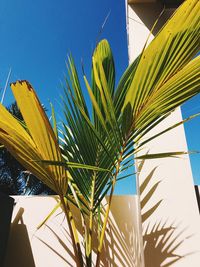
[[177, 215], [51, 246]]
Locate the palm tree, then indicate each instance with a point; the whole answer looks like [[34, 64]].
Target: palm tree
[[98, 146], [163, 77]]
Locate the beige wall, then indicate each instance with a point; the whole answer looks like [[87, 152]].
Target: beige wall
[[51, 246], [171, 221]]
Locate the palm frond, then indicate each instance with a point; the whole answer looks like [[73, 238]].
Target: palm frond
[[37, 143]]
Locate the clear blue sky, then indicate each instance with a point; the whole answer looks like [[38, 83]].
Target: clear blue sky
[[37, 35]]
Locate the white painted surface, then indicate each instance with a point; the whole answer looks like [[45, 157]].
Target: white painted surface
[[51, 246], [177, 218]]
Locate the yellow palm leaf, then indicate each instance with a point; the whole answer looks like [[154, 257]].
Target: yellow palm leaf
[[36, 144], [172, 49]]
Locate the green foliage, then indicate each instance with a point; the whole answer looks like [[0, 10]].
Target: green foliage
[[98, 146], [163, 77]]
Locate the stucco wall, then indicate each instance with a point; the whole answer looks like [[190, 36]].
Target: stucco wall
[[51, 246], [171, 221]]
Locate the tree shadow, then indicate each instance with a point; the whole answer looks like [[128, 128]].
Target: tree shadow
[[19, 248], [161, 244], [122, 240], [162, 240], [147, 192], [121, 244], [63, 244], [58, 230]]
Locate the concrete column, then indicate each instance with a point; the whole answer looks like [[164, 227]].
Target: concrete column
[[171, 221]]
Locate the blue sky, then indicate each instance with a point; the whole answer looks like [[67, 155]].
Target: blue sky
[[36, 37]]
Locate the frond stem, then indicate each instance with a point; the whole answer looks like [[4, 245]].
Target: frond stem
[[73, 231], [120, 159]]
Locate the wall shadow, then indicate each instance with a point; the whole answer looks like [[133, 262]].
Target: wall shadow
[[19, 252], [58, 230], [161, 244], [146, 194], [155, 10], [121, 244], [62, 243], [6, 208], [162, 239], [196, 187]]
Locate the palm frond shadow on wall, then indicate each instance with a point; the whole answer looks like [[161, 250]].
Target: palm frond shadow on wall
[[163, 239], [122, 240], [121, 245], [162, 242]]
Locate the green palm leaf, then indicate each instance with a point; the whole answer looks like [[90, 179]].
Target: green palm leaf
[[157, 82], [160, 64], [98, 143]]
